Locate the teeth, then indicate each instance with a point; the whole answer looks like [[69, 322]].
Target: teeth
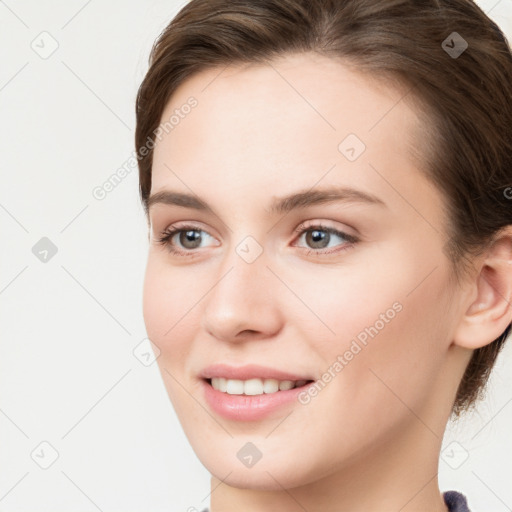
[[270, 385], [222, 384], [253, 386], [286, 384], [234, 387]]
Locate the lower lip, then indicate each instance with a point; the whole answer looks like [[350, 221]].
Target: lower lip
[[249, 407]]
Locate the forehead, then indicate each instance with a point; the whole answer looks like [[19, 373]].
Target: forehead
[[284, 125]]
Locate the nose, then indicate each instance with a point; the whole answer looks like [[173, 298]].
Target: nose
[[243, 301]]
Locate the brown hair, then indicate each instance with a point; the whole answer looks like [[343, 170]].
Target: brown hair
[[465, 100]]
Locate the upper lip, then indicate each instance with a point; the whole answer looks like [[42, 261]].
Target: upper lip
[[250, 371]]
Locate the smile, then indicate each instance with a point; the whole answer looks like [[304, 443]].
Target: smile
[[254, 386]]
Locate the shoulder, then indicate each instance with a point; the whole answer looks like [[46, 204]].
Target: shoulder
[[455, 501]]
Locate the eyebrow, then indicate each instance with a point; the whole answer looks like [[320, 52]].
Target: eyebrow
[[279, 205]]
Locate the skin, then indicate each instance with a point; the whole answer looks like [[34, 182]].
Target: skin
[[370, 440]]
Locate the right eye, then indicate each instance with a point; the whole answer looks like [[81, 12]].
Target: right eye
[[189, 238]]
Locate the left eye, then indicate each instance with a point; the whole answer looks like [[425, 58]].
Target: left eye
[[319, 236]]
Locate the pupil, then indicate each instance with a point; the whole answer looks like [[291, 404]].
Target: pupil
[[319, 236], [191, 236]]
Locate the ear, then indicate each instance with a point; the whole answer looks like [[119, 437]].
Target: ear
[[488, 315]]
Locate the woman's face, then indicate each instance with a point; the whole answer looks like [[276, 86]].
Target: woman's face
[[346, 288]]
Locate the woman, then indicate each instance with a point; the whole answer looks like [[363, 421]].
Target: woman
[[328, 188]]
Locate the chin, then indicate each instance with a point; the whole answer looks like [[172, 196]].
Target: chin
[[260, 480], [274, 474]]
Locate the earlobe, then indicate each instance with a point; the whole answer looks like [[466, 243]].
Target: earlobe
[[489, 314]]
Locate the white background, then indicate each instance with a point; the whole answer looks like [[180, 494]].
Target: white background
[[68, 375]]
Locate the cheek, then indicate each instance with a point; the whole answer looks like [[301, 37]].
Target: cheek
[[155, 299], [394, 322], [344, 304], [168, 316], [387, 368], [402, 359], [168, 307]]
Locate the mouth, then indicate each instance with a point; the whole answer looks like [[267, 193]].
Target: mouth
[[254, 386], [251, 392]]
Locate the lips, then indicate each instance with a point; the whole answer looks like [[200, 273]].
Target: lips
[[250, 392], [242, 407], [251, 371]]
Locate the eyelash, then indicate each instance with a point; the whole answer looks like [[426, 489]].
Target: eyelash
[[168, 234]]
